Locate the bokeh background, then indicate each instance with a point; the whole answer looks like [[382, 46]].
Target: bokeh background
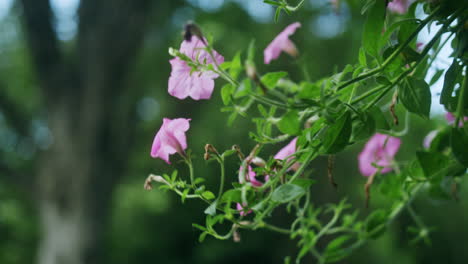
[[83, 90]]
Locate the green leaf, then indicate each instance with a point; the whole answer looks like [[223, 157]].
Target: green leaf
[[271, 79], [290, 123], [373, 28], [232, 195], [436, 165], [436, 77], [415, 95], [309, 90], [379, 118], [338, 134], [208, 195], [382, 80], [226, 93], [362, 57], [211, 210], [376, 223], [304, 183], [244, 89], [287, 192], [459, 143], [450, 80], [236, 66], [202, 237]]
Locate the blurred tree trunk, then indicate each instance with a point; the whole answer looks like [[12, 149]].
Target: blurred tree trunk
[[90, 117]]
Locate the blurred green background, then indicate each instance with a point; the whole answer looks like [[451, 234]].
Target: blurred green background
[[83, 90]]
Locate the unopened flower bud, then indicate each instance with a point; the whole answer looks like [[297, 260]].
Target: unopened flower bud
[[258, 162], [148, 186], [251, 70]]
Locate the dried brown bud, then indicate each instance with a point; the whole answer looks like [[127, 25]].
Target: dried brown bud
[[148, 182]]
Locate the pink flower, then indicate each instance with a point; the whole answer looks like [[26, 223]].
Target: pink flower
[[184, 82], [451, 119], [428, 139], [281, 43], [242, 210], [288, 150], [170, 138], [378, 152], [399, 6]]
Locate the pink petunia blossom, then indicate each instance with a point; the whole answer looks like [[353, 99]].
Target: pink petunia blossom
[[399, 6], [184, 82], [451, 119], [281, 43], [429, 138], [286, 151], [170, 138], [242, 210], [378, 151]]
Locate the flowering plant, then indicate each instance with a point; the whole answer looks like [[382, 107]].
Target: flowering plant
[[310, 119]]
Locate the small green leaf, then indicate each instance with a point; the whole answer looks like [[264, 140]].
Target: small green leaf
[[415, 95], [338, 134], [436, 77], [208, 195], [290, 123], [202, 236], [211, 210], [271, 79], [459, 143], [236, 66], [226, 93], [287, 192]]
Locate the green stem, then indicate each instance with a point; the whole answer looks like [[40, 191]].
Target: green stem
[[393, 55], [221, 184], [276, 229], [295, 8]]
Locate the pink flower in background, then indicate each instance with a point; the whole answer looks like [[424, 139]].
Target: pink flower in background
[[378, 151], [429, 138], [242, 210], [288, 150], [184, 82], [451, 119], [399, 6], [281, 43], [170, 138]]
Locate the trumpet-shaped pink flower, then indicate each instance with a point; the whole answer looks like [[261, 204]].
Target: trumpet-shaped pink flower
[[399, 6], [281, 43], [170, 138], [379, 151], [184, 82], [451, 119], [288, 150]]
